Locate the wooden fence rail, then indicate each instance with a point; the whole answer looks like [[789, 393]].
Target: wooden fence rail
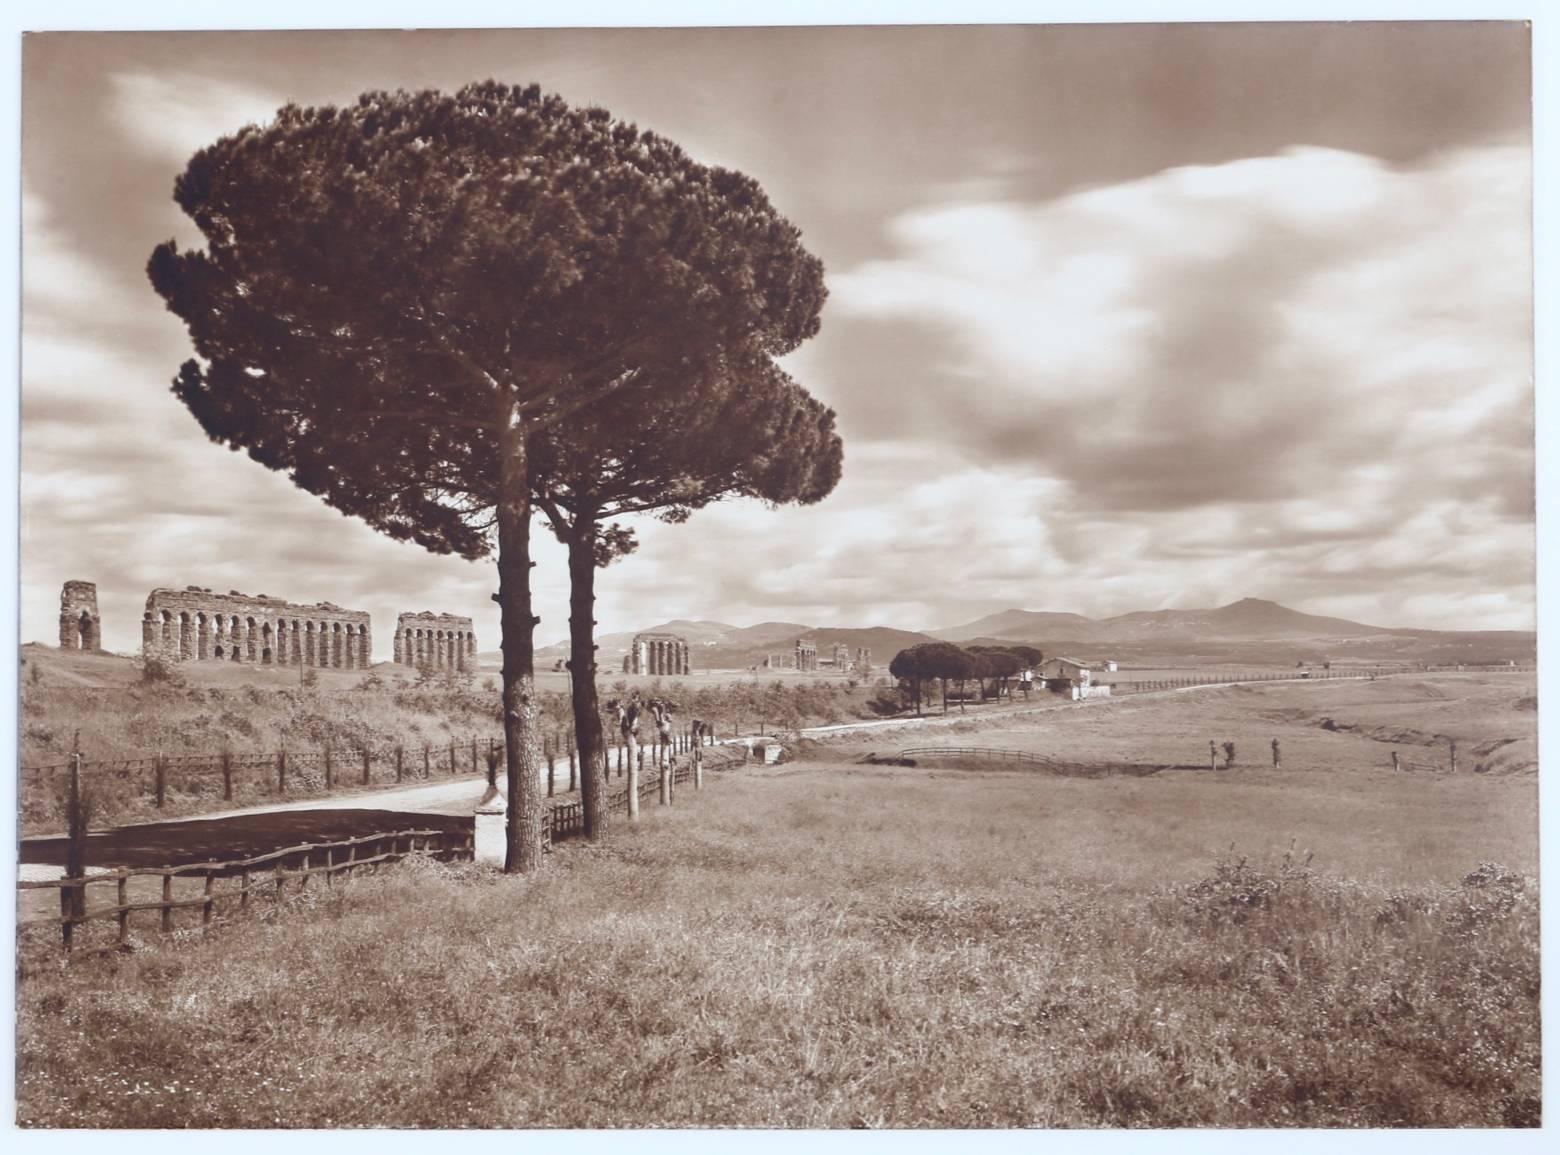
[[1019, 756], [270, 873], [300, 863]]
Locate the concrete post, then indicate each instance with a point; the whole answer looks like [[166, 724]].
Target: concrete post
[[491, 843]]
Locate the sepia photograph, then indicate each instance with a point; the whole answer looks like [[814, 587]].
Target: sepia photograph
[[677, 575]]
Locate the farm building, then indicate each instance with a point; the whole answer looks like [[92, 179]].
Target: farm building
[[1065, 668], [1071, 678]]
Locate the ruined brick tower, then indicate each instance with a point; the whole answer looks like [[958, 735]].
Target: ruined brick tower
[[80, 626]]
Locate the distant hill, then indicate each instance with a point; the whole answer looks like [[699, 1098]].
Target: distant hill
[[1250, 630], [1019, 624], [1247, 618]]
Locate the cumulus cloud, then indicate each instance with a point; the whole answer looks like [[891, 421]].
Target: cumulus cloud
[[1284, 366]]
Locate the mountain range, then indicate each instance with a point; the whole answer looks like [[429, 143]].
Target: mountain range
[[1249, 630]]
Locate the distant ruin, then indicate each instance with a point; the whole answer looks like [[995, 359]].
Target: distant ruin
[[657, 654], [806, 654], [81, 628], [437, 641], [194, 624]]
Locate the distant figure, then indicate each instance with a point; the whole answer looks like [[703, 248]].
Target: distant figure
[[628, 718], [662, 711], [1275, 753]]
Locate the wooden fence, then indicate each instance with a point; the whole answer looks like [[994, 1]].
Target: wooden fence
[[162, 778], [269, 874], [265, 874], [1018, 757]]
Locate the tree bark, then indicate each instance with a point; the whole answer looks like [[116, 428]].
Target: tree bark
[[582, 664], [523, 853]]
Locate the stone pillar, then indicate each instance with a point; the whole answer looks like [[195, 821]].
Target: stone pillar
[[395, 647], [252, 640], [202, 637], [186, 637], [687, 667], [366, 647], [148, 633], [491, 843], [81, 627]]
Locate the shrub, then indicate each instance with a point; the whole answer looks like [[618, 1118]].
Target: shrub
[[155, 671]]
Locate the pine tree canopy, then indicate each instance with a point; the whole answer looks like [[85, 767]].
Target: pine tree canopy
[[387, 286]]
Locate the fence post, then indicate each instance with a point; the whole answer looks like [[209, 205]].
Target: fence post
[[167, 904], [281, 771], [1213, 756], [400, 763], [452, 756], [160, 779], [227, 775], [551, 753], [1454, 757], [73, 899], [427, 763], [329, 776], [573, 763], [474, 767], [365, 765], [660, 784], [633, 778]]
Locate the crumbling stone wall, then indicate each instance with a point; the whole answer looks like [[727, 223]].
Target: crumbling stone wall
[[194, 624], [440, 641], [81, 628], [657, 654]]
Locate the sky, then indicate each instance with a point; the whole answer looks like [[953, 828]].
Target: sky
[[1121, 318]]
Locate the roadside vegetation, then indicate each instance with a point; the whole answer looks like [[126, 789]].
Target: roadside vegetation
[[838, 946]]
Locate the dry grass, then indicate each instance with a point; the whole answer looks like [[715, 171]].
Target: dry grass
[[830, 946]]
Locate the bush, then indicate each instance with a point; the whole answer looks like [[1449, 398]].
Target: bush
[[155, 671]]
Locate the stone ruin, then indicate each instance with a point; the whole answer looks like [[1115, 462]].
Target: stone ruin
[[81, 628], [657, 654], [806, 654], [438, 641], [194, 624]]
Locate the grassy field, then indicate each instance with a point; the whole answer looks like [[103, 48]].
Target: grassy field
[[1322, 726], [835, 945]]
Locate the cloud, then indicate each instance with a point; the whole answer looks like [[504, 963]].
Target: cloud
[[173, 115], [1283, 370]]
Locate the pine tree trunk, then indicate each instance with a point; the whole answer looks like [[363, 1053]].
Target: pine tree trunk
[[582, 663], [517, 624]]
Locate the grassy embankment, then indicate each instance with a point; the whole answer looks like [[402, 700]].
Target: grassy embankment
[[835, 945], [208, 707]]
